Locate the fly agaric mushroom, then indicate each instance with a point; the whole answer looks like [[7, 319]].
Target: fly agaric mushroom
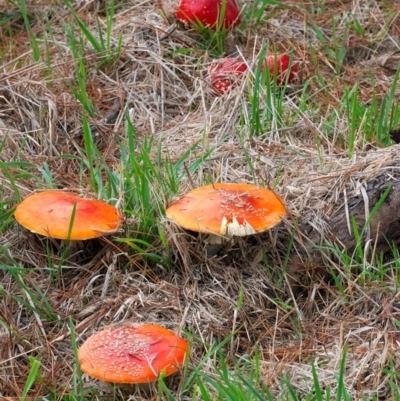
[[132, 353], [213, 14], [50, 213], [225, 74], [279, 64], [225, 210]]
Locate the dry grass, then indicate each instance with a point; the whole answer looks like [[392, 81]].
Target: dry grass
[[166, 93]]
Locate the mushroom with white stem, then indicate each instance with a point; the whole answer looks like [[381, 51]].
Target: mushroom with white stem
[[226, 210]]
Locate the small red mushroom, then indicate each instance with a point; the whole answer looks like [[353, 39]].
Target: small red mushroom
[[226, 73], [208, 13], [281, 63]]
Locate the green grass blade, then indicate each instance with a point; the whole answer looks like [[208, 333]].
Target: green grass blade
[[33, 374]]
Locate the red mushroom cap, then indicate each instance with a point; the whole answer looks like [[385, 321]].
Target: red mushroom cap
[[49, 213], [280, 63], [208, 13], [228, 209], [132, 353], [226, 73]]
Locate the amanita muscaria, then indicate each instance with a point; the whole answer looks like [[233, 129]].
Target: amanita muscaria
[[213, 14], [131, 353], [280, 64], [65, 215], [225, 210], [226, 73]]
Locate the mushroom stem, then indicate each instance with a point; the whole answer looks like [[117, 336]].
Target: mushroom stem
[[216, 239], [70, 248]]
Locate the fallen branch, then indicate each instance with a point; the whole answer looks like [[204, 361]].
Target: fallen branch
[[384, 225], [373, 207], [111, 115]]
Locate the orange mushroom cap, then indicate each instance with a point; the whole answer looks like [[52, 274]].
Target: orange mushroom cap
[[49, 213], [228, 209], [132, 353]]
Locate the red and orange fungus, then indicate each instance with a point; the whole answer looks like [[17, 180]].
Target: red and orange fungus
[[228, 209], [132, 353], [51, 213], [226, 73]]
